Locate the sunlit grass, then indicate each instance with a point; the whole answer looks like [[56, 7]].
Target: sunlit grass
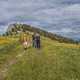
[[54, 61]]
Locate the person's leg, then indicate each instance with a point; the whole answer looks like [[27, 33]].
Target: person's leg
[[33, 44], [38, 44]]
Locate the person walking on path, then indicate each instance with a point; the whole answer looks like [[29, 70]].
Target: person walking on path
[[37, 40], [25, 40], [25, 44], [33, 41]]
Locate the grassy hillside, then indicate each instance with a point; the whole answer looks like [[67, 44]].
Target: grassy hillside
[[54, 61]]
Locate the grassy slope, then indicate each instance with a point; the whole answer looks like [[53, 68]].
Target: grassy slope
[[54, 61], [8, 47]]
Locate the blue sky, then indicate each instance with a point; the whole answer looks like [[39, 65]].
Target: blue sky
[[59, 16]]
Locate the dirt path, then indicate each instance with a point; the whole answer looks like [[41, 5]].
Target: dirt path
[[6, 67]]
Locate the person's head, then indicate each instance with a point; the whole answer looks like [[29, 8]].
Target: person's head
[[37, 34], [33, 33]]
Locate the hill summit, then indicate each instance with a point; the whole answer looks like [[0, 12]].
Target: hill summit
[[17, 28]]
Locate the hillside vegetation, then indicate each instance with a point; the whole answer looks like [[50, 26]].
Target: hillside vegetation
[[17, 28], [54, 61]]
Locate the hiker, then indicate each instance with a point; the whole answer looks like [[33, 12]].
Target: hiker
[[25, 44], [26, 41], [33, 41], [37, 41]]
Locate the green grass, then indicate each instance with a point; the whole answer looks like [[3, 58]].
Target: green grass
[[9, 47], [54, 61]]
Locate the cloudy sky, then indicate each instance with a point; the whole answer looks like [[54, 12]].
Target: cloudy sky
[[59, 16]]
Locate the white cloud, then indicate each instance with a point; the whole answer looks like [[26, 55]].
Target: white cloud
[[60, 13]]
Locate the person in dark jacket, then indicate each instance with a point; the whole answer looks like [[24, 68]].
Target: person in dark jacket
[[33, 41], [37, 40]]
